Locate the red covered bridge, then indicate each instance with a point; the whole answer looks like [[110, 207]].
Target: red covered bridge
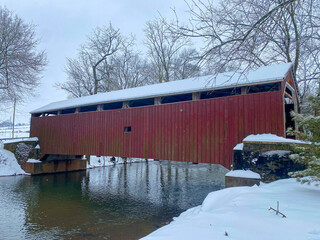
[[196, 120]]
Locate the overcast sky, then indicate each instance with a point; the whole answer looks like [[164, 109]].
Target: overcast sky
[[62, 26]]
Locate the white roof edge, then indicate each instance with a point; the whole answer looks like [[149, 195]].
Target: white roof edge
[[266, 74]]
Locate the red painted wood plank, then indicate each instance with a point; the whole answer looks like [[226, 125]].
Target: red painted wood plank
[[188, 130]]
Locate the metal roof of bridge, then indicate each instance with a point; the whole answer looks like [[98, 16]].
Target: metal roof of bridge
[[266, 74]]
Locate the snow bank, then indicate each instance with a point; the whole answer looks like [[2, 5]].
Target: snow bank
[[243, 174], [8, 164], [103, 161], [242, 213], [267, 137]]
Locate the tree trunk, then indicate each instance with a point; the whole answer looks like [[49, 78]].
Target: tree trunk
[[96, 82]]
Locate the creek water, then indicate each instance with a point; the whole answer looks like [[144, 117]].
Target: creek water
[[117, 202]]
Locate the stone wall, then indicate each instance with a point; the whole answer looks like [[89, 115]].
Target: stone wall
[[23, 150], [270, 160], [239, 181]]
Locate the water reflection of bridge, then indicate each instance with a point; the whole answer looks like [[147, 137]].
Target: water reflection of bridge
[[169, 183]]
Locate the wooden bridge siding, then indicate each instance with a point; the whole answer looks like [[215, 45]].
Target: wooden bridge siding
[[195, 131]]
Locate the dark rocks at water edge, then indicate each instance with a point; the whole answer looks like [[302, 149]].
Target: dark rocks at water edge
[[270, 160]]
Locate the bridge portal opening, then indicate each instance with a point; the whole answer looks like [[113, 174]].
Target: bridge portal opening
[[289, 107]]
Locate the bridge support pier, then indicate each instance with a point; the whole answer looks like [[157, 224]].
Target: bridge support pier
[[55, 166]]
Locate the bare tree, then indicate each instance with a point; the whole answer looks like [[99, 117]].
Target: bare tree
[[127, 67], [106, 62], [251, 33], [186, 64], [163, 46], [20, 61], [91, 67], [80, 78], [103, 43]]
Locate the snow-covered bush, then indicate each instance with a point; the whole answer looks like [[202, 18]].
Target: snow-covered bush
[[308, 154]]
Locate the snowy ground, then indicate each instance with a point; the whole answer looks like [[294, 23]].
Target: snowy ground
[[242, 213], [19, 131], [8, 164]]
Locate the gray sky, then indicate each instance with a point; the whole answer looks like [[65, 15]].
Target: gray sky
[[62, 25]]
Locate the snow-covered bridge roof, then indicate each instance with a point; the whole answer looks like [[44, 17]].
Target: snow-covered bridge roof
[[261, 75]]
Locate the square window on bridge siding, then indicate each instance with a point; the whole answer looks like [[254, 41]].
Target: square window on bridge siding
[[127, 129]]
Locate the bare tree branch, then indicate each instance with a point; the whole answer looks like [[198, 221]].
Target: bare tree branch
[[250, 33], [164, 48], [107, 61]]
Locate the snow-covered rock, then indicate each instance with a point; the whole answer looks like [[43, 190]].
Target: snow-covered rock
[[243, 213]]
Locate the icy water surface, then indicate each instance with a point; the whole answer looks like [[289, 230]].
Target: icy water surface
[[119, 202]]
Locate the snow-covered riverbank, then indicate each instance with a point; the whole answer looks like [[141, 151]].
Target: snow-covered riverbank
[[8, 164], [242, 213]]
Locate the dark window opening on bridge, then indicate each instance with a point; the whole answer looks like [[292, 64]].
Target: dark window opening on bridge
[[264, 88], [127, 129], [177, 98], [36, 114], [288, 93], [112, 106], [237, 91], [142, 102], [220, 93], [91, 108], [68, 111]]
